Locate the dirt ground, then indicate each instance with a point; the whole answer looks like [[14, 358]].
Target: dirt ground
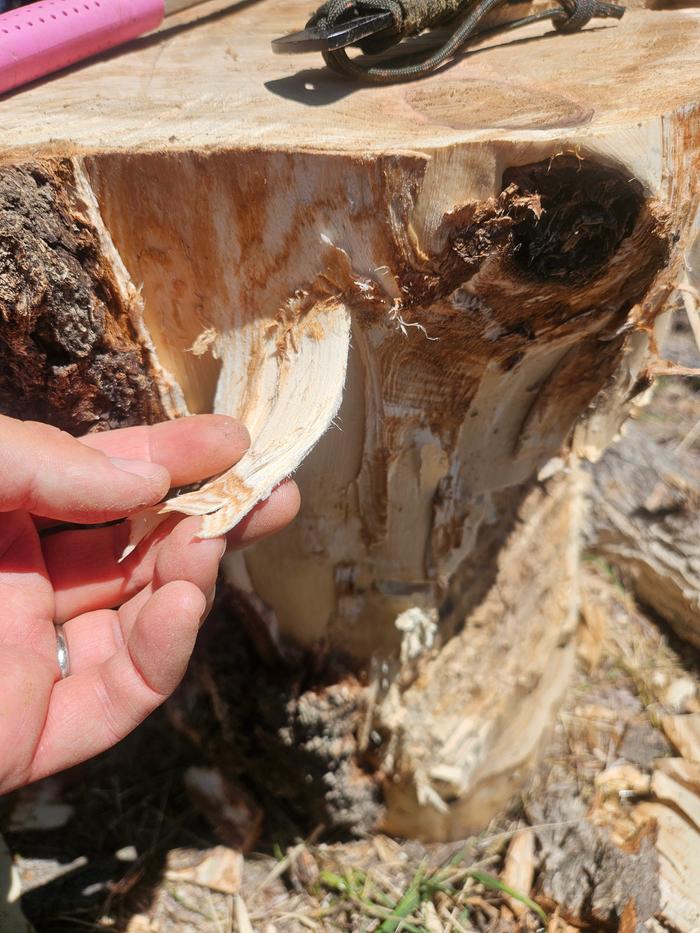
[[606, 835]]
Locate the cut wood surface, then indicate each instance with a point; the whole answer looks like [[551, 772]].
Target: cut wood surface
[[219, 86], [459, 271]]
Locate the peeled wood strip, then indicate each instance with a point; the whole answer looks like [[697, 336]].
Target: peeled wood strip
[[296, 383], [299, 394]]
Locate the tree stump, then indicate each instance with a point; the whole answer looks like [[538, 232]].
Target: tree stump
[[463, 276]]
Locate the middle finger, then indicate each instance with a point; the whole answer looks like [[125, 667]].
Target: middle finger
[[95, 636], [84, 565]]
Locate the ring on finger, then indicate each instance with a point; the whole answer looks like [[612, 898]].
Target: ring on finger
[[62, 655]]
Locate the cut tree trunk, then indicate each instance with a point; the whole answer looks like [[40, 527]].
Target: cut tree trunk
[[461, 275]]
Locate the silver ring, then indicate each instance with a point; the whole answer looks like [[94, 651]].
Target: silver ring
[[62, 652]]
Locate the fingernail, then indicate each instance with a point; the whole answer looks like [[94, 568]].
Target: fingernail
[[138, 467]]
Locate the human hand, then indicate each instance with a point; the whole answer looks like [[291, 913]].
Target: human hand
[[130, 627]]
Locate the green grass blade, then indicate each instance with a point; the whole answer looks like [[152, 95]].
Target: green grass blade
[[495, 884], [405, 907], [410, 900], [333, 882]]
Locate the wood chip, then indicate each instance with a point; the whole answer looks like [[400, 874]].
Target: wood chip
[[231, 810], [12, 920], [668, 790], [557, 925], [39, 808], [431, 920], [220, 869], [386, 848], [685, 772], [680, 694], [621, 779], [684, 733], [592, 638], [653, 926], [243, 924], [519, 868], [141, 923], [678, 846], [303, 869]]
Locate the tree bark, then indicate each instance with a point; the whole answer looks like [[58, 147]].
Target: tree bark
[[644, 521], [472, 267]]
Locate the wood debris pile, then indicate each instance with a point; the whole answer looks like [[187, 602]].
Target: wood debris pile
[[621, 849]]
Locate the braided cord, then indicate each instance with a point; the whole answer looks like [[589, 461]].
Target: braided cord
[[571, 16]]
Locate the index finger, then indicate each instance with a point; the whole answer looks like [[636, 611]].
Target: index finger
[[47, 472], [190, 449]]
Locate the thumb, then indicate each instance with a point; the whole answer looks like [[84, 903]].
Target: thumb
[[49, 473]]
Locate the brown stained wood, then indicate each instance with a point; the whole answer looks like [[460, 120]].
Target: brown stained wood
[[476, 264]]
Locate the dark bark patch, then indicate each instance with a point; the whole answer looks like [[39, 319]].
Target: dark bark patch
[[586, 876], [69, 354], [284, 725]]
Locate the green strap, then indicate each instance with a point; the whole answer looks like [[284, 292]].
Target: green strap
[[413, 16]]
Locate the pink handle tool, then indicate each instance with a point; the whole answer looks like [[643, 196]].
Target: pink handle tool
[[52, 34]]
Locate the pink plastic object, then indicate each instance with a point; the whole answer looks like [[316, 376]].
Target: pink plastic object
[[47, 36]]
